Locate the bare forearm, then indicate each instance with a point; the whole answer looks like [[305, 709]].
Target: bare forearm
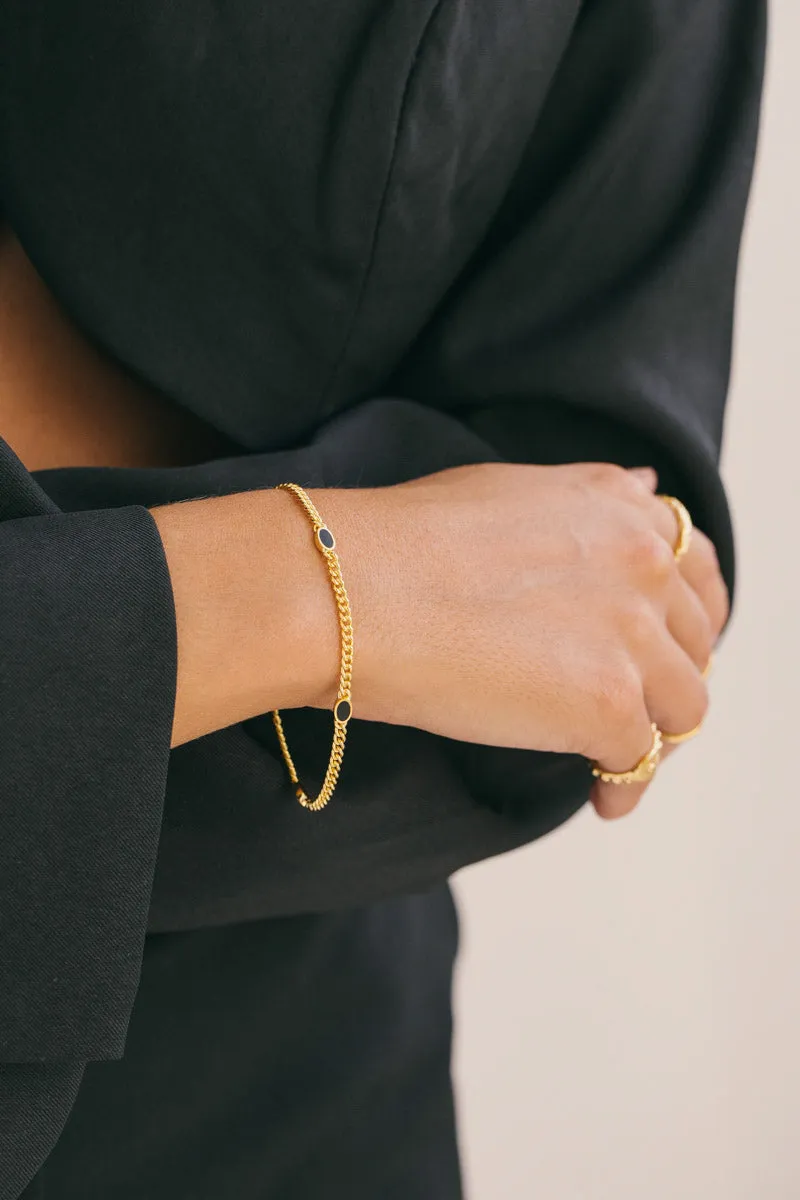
[[534, 607]]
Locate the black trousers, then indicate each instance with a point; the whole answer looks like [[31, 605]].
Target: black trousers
[[297, 1059]]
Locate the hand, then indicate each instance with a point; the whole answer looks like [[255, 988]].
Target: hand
[[535, 607], [609, 802]]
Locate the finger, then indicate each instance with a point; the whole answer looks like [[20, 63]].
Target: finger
[[700, 568], [613, 801], [699, 565], [689, 623], [675, 699], [628, 737], [610, 809], [675, 691], [663, 519]]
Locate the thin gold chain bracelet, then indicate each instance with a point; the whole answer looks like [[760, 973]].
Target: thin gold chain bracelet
[[343, 708]]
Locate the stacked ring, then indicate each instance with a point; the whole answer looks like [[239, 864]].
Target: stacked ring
[[675, 739], [643, 771], [685, 525]]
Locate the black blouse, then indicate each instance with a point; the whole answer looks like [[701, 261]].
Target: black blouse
[[365, 241]]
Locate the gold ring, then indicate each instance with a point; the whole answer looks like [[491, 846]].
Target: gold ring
[[675, 739], [709, 667], [685, 525], [642, 772]]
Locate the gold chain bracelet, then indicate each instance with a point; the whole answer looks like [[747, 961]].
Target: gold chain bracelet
[[343, 708]]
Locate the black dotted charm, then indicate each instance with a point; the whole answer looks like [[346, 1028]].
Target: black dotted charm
[[326, 538], [343, 711]]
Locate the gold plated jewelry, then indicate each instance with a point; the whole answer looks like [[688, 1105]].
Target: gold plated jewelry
[[343, 708], [685, 525], [709, 667], [675, 739], [644, 769]]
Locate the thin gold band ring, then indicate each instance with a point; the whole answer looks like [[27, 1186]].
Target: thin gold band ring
[[675, 739], [685, 525]]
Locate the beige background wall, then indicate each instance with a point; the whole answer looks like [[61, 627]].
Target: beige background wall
[[629, 998]]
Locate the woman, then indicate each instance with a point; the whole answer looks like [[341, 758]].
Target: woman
[[410, 257]]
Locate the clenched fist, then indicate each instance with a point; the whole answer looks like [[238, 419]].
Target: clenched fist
[[533, 607]]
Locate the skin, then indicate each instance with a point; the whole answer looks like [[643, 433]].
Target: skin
[[525, 606]]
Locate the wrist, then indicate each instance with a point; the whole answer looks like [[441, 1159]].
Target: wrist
[[372, 542], [256, 620], [293, 640]]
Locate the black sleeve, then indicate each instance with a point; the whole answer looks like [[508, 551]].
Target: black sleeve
[[35, 1101], [87, 681], [597, 318], [595, 322]]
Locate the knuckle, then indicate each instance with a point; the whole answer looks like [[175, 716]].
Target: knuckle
[[645, 553], [610, 476]]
